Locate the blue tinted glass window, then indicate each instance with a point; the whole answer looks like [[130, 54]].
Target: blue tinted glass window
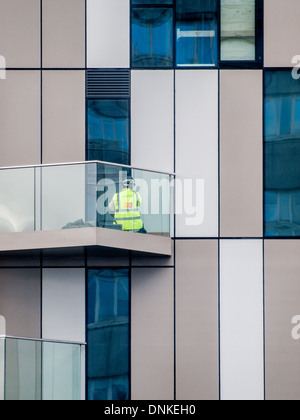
[[286, 116], [152, 37], [282, 154], [108, 131], [108, 334], [271, 206], [296, 207], [297, 115], [152, 2], [196, 32], [272, 117]]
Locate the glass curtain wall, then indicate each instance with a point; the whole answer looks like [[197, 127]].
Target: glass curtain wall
[[238, 26], [108, 334], [196, 33], [282, 154], [152, 33], [108, 130], [185, 33]]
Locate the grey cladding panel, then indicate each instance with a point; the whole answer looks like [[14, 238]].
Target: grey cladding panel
[[197, 347], [20, 301], [282, 291]]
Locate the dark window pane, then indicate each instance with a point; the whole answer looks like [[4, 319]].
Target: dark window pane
[[272, 117], [271, 198], [196, 32], [151, 2], [296, 207], [286, 116], [297, 115], [108, 335], [282, 154], [238, 30], [108, 131], [152, 37]]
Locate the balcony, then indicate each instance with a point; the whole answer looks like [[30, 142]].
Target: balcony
[[77, 205], [34, 370]]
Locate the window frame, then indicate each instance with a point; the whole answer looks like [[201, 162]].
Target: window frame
[[152, 6], [267, 140], [118, 268], [259, 39], [240, 64], [197, 66], [107, 98]]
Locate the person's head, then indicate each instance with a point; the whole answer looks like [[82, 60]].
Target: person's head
[[129, 183]]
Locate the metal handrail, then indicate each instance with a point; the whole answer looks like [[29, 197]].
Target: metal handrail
[[48, 165], [42, 340]]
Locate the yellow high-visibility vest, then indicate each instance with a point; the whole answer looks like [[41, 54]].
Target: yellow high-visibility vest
[[127, 214]]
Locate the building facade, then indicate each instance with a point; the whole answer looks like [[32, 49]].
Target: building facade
[[204, 304]]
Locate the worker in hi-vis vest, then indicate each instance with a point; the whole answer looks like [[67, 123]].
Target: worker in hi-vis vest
[[125, 206]]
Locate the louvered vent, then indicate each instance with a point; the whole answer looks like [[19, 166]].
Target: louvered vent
[[108, 83]]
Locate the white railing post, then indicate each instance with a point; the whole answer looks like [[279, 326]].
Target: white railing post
[[2, 357]]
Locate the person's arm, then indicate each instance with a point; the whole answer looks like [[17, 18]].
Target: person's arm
[[139, 199]]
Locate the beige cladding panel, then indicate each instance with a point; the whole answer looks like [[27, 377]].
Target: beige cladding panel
[[241, 153], [197, 349], [63, 116], [20, 33], [87, 237], [152, 334], [282, 291], [282, 32], [64, 33], [20, 301], [20, 104]]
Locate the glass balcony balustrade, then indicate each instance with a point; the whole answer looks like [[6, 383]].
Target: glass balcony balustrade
[[35, 370], [85, 195]]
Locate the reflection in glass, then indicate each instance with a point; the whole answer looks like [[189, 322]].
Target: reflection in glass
[[65, 185], [152, 2], [61, 372], [23, 370], [108, 335], [155, 208], [238, 30], [272, 116], [282, 154], [296, 127], [144, 207], [196, 32], [89, 195], [109, 181], [152, 37], [36, 370], [17, 200], [108, 131]]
